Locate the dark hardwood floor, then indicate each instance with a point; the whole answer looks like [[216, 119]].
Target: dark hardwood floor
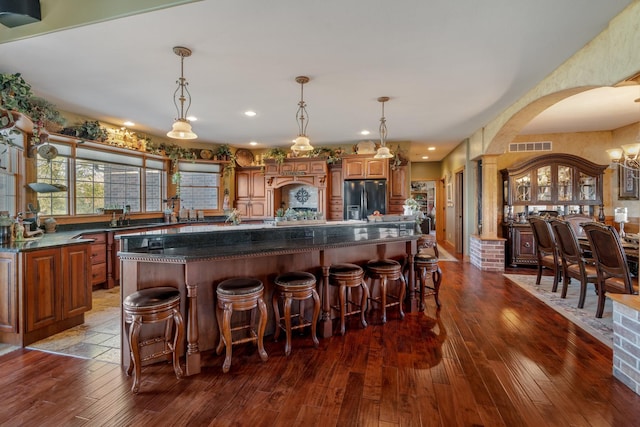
[[492, 356]]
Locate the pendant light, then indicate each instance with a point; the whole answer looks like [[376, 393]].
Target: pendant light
[[301, 143], [181, 127], [383, 151]]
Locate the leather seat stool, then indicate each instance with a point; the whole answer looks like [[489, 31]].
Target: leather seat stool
[[423, 265], [298, 286], [347, 276], [147, 306], [240, 294], [382, 271]]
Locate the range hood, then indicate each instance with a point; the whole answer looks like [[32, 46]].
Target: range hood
[[41, 187]]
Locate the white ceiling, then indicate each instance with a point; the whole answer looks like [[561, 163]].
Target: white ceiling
[[449, 66]]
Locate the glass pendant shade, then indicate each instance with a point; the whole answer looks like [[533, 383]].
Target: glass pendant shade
[[181, 130], [383, 153], [301, 143]]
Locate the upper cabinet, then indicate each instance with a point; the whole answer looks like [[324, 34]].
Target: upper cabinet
[[560, 182], [361, 167]]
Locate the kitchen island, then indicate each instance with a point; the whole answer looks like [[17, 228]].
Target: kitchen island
[[194, 259]]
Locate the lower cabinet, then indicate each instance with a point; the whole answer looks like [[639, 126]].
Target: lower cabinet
[[56, 292], [521, 246], [98, 258]]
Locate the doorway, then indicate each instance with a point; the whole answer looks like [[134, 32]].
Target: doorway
[[459, 212]]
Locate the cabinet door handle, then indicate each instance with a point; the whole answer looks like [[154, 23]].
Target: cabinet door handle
[[527, 245]]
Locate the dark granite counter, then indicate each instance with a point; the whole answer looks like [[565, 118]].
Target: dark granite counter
[[215, 242]]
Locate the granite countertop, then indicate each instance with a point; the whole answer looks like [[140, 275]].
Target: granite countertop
[[73, 236], [206, 242]]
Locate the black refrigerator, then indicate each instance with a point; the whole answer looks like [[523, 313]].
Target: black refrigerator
[[364, 197]]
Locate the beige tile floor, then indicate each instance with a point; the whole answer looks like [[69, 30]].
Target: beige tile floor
[[97, 338]]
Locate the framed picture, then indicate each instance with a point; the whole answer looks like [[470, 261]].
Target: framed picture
[[627, 184], [449, 194]]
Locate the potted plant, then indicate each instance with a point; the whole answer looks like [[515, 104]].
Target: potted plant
[[223, 152], [15, 93], [45, 114], [276, 153], [89, 130]]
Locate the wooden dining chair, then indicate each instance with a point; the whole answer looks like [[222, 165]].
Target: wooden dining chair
[[574, 263], [611, 263], [546, 249]]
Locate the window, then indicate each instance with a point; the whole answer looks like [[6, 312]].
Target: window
[[199, 186], [102, 180], [105, 185], [54, 171], [199, 190]]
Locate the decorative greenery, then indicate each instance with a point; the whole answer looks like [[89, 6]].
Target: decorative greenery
[[233, 217], [15, 93], [223, 152], [414, 206], [399, 159], [89, 130], [7, 129], [280, 213], [44, 112], [333, 156], [276, 153]]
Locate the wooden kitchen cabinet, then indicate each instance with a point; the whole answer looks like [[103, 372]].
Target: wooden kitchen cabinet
[[362, 167], [520, 245], [398, 189], [98, 258], [336, 203], [251, 198], [57, 291]]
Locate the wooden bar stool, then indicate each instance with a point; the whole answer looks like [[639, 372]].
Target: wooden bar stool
[[383, 271], [147, 306], [347, 276], [240, 294], [424, 264], [298, 286]]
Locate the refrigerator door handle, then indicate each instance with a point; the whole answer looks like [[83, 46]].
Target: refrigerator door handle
[[364, 204]]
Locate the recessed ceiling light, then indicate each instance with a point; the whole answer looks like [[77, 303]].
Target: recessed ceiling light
[[365, 132], [431, 148], [128, 123], [192, 118], [425, 157], [250, 113], [253, 143]]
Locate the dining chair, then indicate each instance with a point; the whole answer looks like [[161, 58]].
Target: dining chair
[[576, 221], [611, 263], [574, 263], [546, 249]]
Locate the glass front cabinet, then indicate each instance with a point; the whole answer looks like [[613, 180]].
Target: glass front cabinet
[[553, 184]]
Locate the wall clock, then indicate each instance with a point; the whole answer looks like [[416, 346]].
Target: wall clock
[[48, 151]]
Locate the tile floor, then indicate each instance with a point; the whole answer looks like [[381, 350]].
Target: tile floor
[[97, 338]]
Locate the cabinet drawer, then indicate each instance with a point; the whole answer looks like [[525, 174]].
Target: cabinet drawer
[[98, 237], [98, 273], [98, 254]]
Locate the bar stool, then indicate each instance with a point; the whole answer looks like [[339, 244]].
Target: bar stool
[[347, 276], [298, 286], [148, 306], [240, 294], [383, 271], [424, 264]]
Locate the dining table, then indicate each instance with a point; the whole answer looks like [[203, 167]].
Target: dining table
[[629, 245]]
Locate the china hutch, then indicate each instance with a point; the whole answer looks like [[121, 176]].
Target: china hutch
[[553, 184]]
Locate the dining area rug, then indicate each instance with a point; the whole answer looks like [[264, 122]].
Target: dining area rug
[[601, 329]]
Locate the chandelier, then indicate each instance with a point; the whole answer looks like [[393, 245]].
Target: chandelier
[[301, 143], [383, 151], [628, 156], [181, 127]]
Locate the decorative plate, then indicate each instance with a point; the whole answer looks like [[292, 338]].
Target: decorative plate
[[206, 154], [244, 157]]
